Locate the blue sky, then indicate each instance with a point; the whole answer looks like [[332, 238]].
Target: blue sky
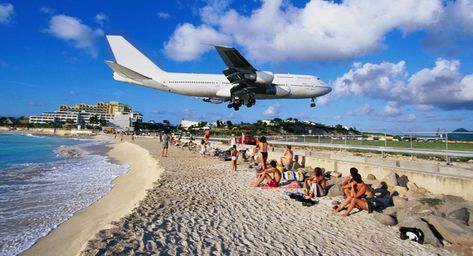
[[392, 65]]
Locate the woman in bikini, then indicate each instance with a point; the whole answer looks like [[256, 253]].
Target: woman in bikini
[[263, 147]]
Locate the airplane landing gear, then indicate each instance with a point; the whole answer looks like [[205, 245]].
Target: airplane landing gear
[[312, 105]]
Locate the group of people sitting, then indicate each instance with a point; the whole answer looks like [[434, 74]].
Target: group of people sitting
[[356, 192]]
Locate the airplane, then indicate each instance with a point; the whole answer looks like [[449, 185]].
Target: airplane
[[240, 84]]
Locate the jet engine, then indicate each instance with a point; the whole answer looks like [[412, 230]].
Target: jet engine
[[260, 77]]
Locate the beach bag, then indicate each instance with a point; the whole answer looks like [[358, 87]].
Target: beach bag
[[288, 175], [413, 234], [299, 175]]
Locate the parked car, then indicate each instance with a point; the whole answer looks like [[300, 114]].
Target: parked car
[[250, 140]]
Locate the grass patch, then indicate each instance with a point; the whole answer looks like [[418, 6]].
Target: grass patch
[[432, 202]]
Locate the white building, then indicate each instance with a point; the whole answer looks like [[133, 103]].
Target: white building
[[185, 124], [118, 119]]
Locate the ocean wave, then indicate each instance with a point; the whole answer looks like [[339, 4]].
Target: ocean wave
[[36, 198]]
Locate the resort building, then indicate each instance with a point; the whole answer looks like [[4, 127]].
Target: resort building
[[111, 107], [185, 124], [113, 114]]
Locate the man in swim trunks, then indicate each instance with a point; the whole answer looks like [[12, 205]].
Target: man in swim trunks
[[272, 181]]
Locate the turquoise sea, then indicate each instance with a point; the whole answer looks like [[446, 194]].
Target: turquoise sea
[[39, 189]]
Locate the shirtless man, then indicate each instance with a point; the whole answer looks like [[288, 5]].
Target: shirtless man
[[357, 191], [263, 148], [286, 159], [266, 175]]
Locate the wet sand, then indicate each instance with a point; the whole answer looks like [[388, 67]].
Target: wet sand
[[71, 236]]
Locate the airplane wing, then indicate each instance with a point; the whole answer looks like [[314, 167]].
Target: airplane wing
[[233, 58], [245, 78], [240, 71]]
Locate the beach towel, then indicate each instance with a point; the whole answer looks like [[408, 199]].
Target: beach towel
[[291, 185], [293, 175]]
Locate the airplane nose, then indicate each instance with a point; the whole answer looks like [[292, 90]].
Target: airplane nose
[[327, 90]]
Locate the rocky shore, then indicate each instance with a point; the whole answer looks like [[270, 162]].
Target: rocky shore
[[200, 207]]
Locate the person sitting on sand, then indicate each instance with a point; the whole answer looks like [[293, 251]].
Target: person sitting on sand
[[357, 191], [316, 185], [234, 155], [263, 148], [375, 199], [272, 181], [347, 181], [287, 158]]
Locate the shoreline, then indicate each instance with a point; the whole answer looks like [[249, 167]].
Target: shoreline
[[70, 237]]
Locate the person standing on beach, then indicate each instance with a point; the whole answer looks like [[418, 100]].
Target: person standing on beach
[[263, 147], [232, 141], [164, 150], [234, 156], [206, 134]]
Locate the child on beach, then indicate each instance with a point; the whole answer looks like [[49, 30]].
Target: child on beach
[[234, 155]]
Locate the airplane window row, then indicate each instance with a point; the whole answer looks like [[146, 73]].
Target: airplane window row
[[193, 82]]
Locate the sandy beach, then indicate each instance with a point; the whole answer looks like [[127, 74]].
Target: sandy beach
[[70, 237], [199, 207]]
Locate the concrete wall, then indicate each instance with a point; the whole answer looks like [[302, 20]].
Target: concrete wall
[[438, 179]]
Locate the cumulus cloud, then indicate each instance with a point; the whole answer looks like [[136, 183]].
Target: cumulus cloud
[[272, 111], [362, 110], [391, 109], [189, 42], [101, 18], [72, 30], [441, 86], [6, 13], [321, 30]]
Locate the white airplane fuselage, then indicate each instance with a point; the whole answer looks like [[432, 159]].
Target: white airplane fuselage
[[217, 86], [240, 84]]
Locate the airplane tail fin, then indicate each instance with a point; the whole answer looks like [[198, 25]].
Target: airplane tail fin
[[129, 57]]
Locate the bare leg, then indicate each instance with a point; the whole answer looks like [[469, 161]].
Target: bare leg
[[260, 179], [350, 208], [343, 205], [263, 163]]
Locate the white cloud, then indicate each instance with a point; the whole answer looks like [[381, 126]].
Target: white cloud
[[321, 30], [101, 18], [6, 13], [272, 111], [441, 86], [74, 31], [189, 42], [408, 118], [391, 109], [362, 110], [163, 15], [46, 10]]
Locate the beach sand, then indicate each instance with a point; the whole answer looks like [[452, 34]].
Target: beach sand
[[199, 206], [70, 237]]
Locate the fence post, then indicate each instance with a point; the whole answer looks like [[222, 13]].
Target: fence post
[[319, 138], [446, 140]]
